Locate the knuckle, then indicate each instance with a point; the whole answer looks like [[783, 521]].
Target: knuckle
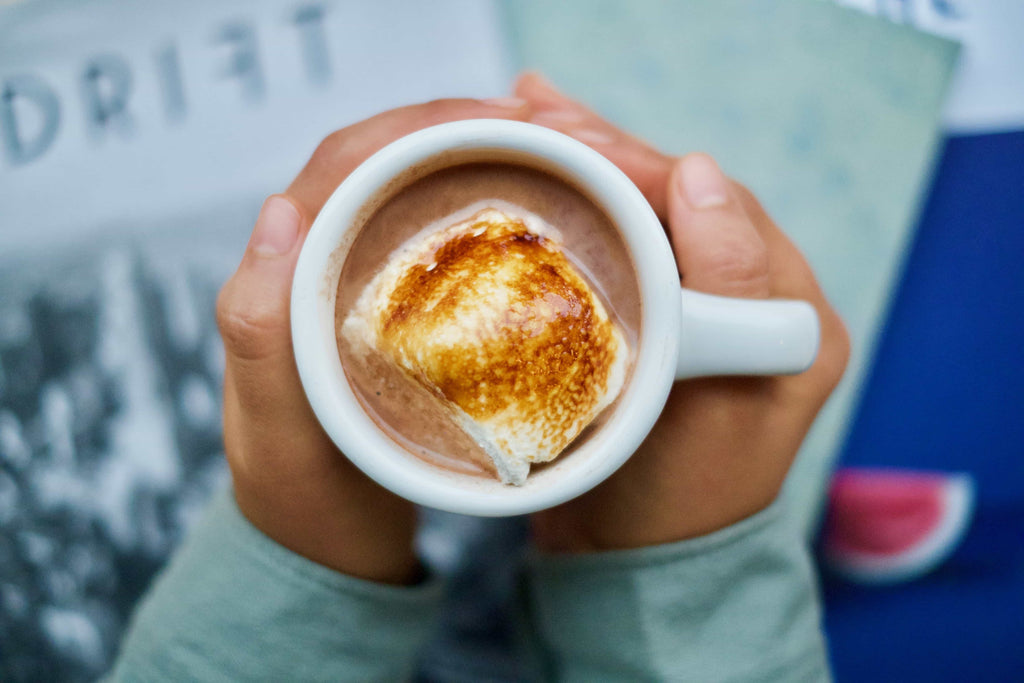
[[436, 107], [331, 148], [444, 110], [836, 349], [813, 388], [739, 264], [250, 331]]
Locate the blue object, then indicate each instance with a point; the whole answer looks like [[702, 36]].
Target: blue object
[[947, 393]]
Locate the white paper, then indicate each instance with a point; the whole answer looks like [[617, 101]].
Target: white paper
[[117, 111]]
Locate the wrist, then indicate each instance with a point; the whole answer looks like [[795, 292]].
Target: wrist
[[373, 542], [584, 525]]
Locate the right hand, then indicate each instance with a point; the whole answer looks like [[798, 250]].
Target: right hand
[[722, 446], [290, 480]]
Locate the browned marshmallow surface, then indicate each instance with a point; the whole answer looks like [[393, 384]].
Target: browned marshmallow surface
[[494, 319]]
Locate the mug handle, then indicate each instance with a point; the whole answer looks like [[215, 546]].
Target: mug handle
[[726, 336]]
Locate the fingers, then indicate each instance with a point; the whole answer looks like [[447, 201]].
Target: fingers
[[341, 151], [729, 248], [717, 247], [646, 167], [791, 275], [793, 278], [552, 108], [253, 308]]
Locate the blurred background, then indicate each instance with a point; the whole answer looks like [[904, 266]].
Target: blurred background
[[138, 140]]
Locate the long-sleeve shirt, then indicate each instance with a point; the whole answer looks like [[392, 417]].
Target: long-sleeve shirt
[[737, 605]]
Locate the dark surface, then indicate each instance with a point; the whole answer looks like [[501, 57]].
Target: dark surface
[[109, 444]]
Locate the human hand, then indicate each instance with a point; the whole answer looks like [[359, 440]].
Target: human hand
[[723, 445], [290, 480]]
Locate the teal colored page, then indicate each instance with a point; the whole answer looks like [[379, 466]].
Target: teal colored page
[[830, 116]]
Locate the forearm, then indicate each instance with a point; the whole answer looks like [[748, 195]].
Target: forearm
[[234, 605], [740, 604]]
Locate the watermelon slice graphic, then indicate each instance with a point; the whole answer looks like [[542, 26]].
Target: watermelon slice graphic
[[886, 526]]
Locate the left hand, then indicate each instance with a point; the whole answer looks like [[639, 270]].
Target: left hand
[[723, 445], [290, 481]]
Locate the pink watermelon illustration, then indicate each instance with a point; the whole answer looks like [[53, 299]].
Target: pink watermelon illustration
[[886, 526]]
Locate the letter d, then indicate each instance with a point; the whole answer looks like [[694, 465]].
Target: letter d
[[21, 149]]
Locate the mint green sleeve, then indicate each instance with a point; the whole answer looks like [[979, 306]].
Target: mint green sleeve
[[235, 606], [740, 604]]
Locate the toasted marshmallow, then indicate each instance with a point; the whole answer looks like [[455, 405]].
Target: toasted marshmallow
[[491, 317]]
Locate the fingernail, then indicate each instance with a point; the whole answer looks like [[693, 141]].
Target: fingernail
[[702, 182], [557, 117], [506, 102], [592, 137], [277, 227]]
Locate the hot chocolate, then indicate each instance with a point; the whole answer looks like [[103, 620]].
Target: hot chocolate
[[491, 199]]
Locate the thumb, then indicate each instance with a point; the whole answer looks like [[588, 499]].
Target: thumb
[[253, 306], [717, 247]]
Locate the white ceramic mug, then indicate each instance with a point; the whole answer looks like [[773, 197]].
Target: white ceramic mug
[[681, 335]]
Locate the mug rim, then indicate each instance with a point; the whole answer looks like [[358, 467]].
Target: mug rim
[[338, 409]]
